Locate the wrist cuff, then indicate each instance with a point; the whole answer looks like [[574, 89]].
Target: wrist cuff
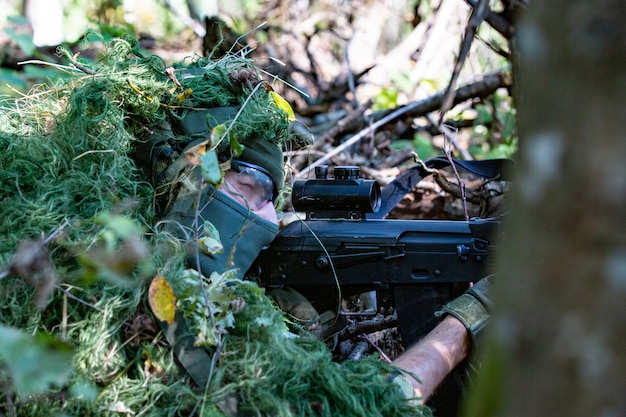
[[469, 311]]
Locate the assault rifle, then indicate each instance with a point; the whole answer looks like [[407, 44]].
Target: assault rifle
[[344, 248]]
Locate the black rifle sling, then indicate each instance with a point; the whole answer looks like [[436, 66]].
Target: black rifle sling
[[404, 183]]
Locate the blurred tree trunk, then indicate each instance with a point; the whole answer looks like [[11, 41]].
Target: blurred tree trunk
[[46, 18], [558, 338]]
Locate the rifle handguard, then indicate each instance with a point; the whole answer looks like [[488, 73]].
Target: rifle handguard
[[471, 308]]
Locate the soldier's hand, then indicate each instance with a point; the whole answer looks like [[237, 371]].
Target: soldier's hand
[[472, 307]]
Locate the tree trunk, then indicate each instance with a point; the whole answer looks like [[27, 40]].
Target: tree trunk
[[46, 18], [558, 337]]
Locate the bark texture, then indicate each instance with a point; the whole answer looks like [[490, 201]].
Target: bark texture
[[559, 333]]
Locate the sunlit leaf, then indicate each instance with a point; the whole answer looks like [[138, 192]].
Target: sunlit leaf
[[263, 321], [119, 407], [235, 145], [210, 242], [210, 246], [162, 299], [122, 227], [282, 104], [210, 310], [211, 171], [184, 95], [219, 134], [152, 368], [193, 154]]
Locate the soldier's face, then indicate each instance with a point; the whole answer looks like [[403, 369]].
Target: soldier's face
[[253, 190]]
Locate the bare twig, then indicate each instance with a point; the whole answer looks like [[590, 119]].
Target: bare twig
[[343, 124], [92, 151], [368, 326], [496, 21], [475, 20], [481, 88], [448, 135], [240, 37], [447, 186], [64, 318], [360, 349], [464, 152], [80, 66], [60, 67], [67, 293], [55, 233], [382, 354], [186, 19]]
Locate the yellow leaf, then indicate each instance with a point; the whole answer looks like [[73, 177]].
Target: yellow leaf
[[184, 95], [162, 299], [282, 104], [193, 154]]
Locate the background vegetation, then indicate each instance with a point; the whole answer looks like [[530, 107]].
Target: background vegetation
[[343, 65], [335, 56]]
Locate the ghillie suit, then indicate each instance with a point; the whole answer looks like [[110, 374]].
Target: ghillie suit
[[80, 250]]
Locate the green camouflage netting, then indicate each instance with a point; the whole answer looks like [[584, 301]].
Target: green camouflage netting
[[79, 249]]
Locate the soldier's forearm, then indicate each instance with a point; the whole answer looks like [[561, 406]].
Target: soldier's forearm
[[435, 356]]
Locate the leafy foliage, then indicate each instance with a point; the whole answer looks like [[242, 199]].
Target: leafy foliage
[[35, 363], [24, 41], [68, 175], [209, 304]]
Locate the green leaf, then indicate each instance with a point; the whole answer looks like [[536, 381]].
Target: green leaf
[[386, 99], [211, 171], [210, 312], [84, 390], [218, 134], [400, 144], [35, 363], [423, 146], [23, 41], [121, 227], [483, 116], [235, 145], [11, 78], [210, 242]]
